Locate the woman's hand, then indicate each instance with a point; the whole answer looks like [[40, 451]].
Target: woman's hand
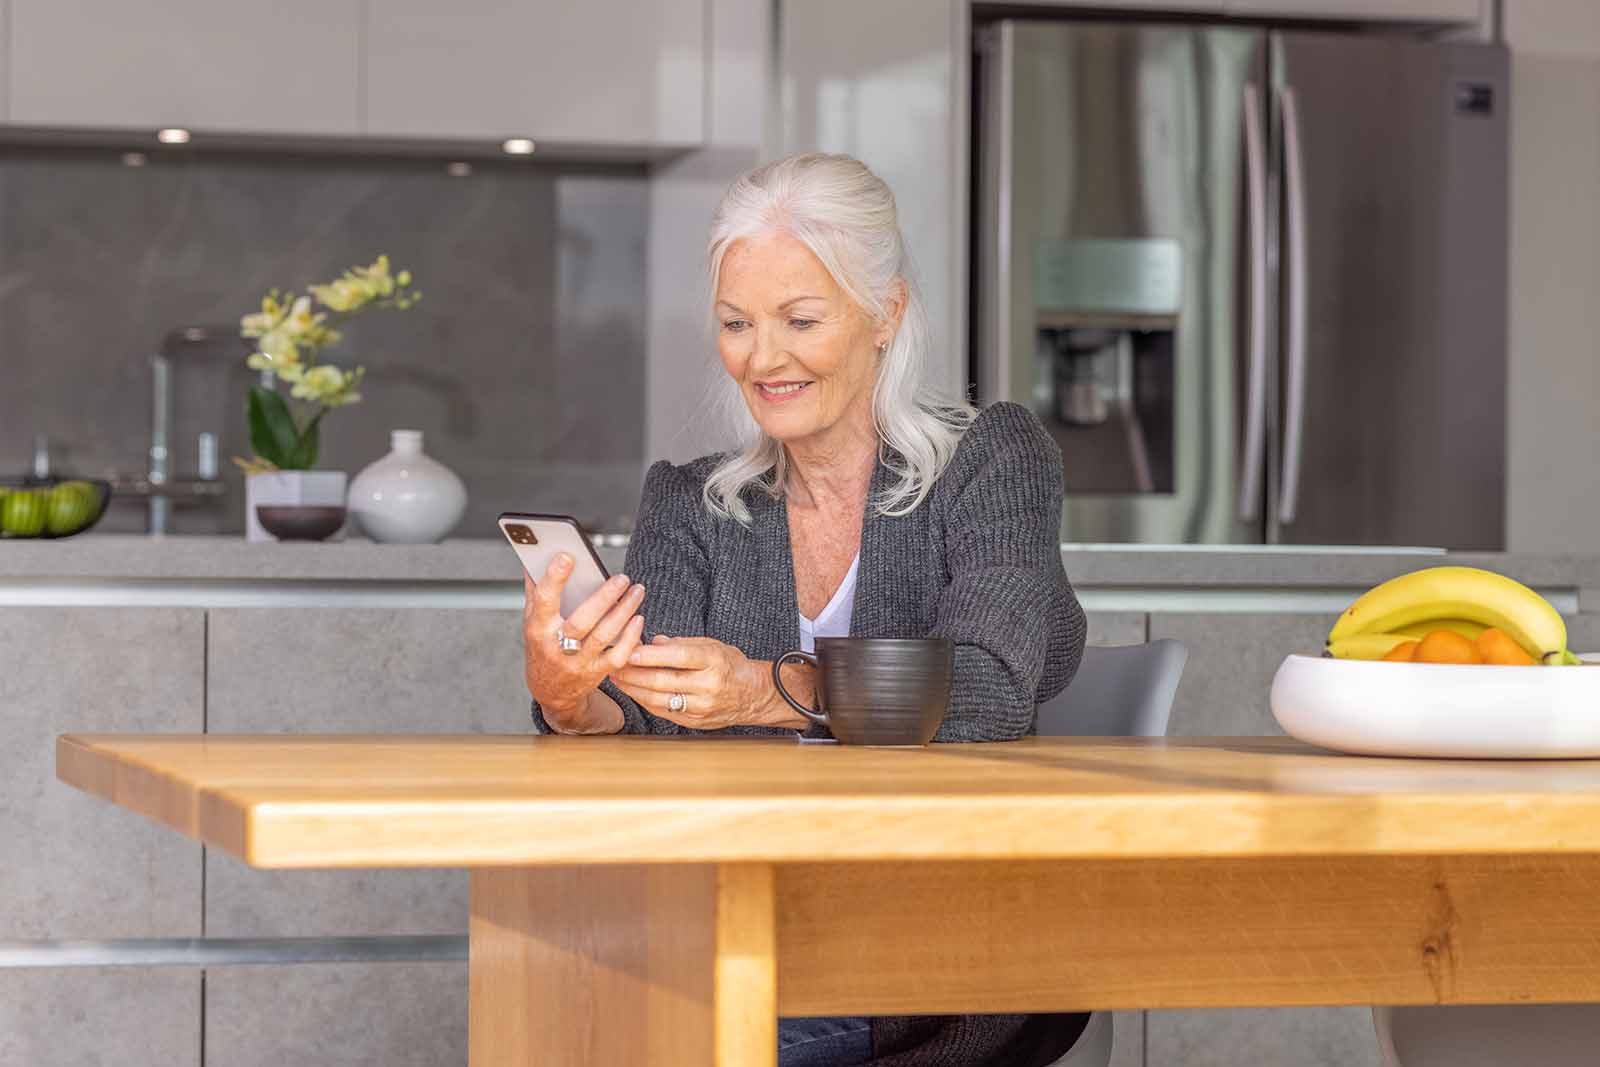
[[720, 685], [609, 629]]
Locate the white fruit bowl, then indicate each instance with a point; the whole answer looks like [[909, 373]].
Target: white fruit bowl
[[1373, 708]]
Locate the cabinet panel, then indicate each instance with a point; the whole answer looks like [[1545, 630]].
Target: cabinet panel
[[99, 1016], [355, 670], [1117, 627], [353, 1015], [1127, 1042], [1583, 632], [1155, 7], [874, 81], [75, 866], [599, 72], [1281, 1037], [1363, 10], [228, 65], [1232, 658]]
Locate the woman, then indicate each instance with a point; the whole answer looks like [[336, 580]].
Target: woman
[[861, 504]]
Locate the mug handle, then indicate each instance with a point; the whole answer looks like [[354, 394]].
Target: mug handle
[[777, 680]]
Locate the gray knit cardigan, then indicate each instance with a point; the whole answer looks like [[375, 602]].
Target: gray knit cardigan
[[978, 562]]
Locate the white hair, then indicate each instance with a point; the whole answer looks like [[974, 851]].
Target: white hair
[[845, 215]]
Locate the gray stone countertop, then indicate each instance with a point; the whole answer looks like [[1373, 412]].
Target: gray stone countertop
[[223, 559]]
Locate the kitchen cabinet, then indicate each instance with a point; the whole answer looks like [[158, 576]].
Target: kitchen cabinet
[[75, 867], [422, 669], [227, 65], [1363, 10], [1456, 11], [385, 670], [1117, 627], [602, 72], [1282, 1037], [388, 1014], [83, 1016], [1232, 658], [875, 81]]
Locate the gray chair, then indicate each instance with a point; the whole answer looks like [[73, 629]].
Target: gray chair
[[1490, 1035], [1124, 691]]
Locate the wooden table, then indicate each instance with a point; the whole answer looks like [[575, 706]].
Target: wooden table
[[642, 900]]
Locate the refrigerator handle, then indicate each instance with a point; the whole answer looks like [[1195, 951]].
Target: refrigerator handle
[[1253, 460], [1294, 422]]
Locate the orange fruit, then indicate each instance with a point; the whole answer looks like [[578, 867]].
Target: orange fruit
[[1404, 652], [1495, 647], [1446, 646]]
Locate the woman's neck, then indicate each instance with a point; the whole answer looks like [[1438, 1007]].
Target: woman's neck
[[833, 469]]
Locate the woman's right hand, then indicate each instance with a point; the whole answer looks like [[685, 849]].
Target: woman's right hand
[[607, 625]]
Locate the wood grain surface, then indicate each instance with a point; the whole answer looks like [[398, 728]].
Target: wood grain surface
[[668, 964], [474, 801], [662, 901], [1105, 934]]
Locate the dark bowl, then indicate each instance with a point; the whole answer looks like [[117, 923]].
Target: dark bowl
[[45, 510], [291, 523]]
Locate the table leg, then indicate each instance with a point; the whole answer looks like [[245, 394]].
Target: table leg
[[623, 965]]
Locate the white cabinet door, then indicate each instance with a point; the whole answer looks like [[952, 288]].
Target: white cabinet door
[[600, 72], [1355, 10], [291, 66], [1363, 10], [875, 80], [1146, 6]]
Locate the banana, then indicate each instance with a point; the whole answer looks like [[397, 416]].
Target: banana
[[1366, 646], [1458, 593], [1465, 627]]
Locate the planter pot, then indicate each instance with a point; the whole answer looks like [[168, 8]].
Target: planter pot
[[406, 497], [294, 489]]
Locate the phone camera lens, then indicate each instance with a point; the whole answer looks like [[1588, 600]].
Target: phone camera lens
[[522, 535]]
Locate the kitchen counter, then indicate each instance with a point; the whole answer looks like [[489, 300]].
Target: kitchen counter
[[227, 571], [219, 637]]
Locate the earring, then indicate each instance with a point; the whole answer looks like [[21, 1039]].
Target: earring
[[883, 348]]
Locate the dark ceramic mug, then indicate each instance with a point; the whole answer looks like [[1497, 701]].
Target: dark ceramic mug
[[877, 691]]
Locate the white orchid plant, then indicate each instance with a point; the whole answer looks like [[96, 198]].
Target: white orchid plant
[[289, 339]]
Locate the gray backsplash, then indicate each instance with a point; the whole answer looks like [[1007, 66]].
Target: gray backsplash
[[523, 364]]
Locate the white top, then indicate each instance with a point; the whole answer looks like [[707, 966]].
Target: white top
[[833, 620]]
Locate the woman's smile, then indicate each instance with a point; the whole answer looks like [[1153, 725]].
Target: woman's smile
[[781, 392]]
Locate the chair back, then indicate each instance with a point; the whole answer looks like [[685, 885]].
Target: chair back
[[1121, 691]]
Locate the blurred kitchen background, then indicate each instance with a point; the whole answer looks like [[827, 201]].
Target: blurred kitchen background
[[522, 365], [1074, 183], [560, 343]]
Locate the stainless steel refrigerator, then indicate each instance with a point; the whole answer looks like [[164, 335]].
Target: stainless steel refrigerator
[[1253, 281]]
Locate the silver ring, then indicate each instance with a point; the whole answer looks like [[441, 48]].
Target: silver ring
[[570, 646], [677, 702]]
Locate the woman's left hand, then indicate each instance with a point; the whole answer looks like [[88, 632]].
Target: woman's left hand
[[720, 685]]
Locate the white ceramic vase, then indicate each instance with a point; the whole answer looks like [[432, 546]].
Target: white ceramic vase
[[322, 489], [406, 497]]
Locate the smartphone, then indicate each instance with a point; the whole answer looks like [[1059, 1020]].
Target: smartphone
[[539, 539]]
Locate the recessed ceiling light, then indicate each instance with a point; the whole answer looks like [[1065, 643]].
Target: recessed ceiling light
[[173, 135], [517, 146], [458, 169], [133, 159]]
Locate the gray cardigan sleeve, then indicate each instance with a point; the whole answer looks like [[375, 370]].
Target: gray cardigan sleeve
[[669, 558], [1018, 627]]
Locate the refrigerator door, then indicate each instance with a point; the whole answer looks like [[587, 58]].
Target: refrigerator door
[[1393, 271], [1113, 294]]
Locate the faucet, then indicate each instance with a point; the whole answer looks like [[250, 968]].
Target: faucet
[[159, 485], [41, 457]]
